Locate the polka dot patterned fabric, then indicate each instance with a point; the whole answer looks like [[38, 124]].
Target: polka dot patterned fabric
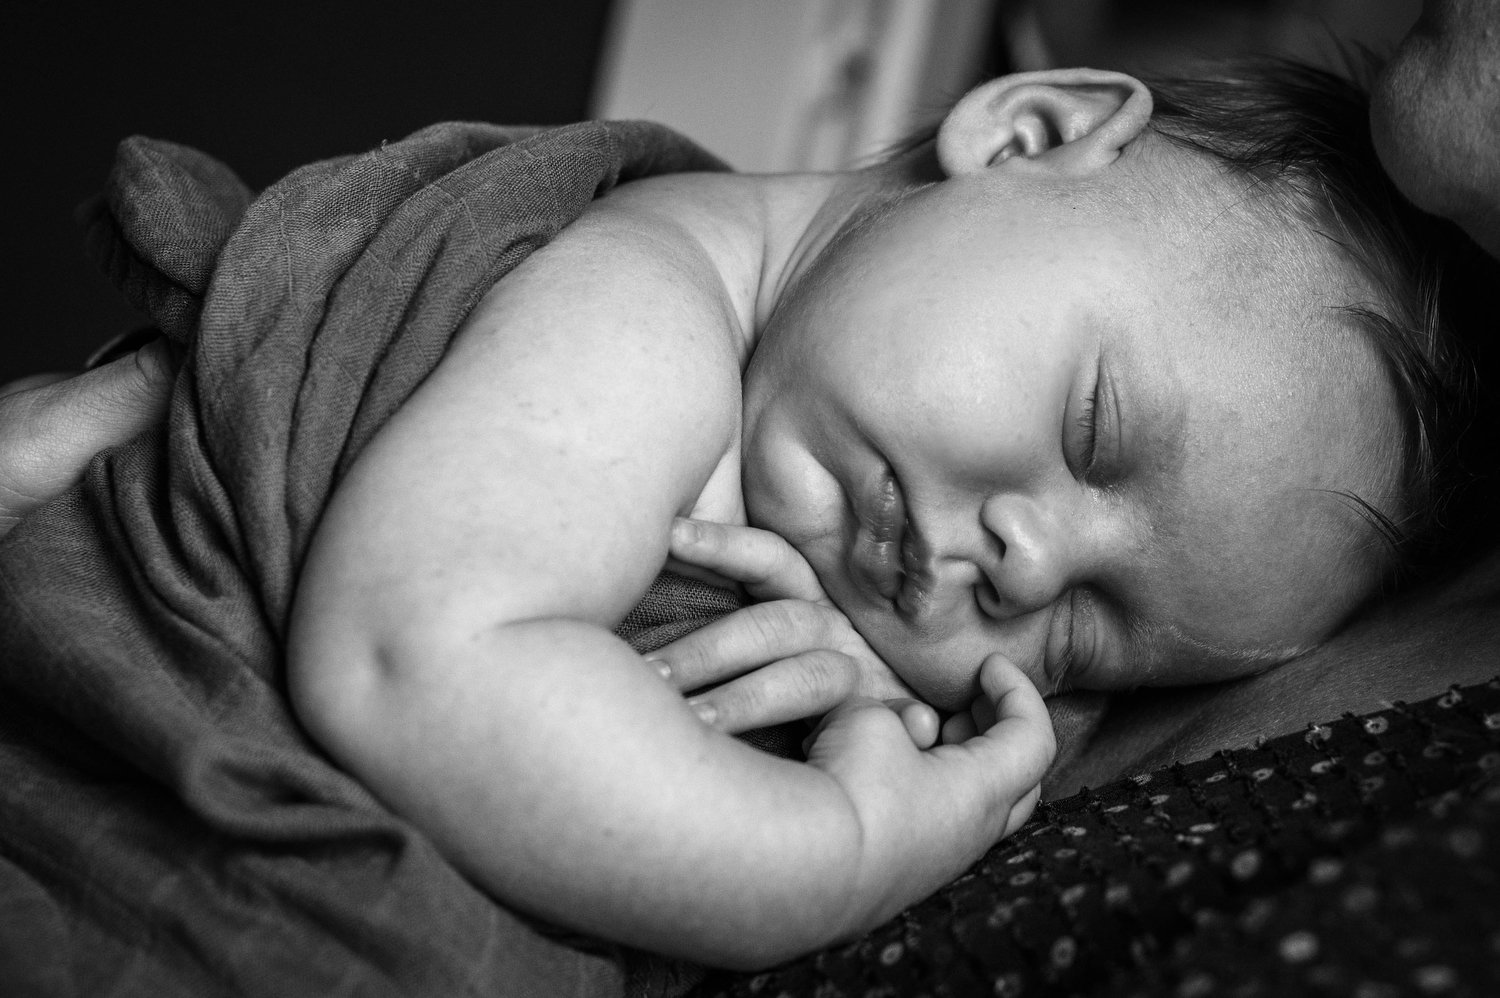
[[1356, 858]]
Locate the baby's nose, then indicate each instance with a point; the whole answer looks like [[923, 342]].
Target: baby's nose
[[1032, 556]]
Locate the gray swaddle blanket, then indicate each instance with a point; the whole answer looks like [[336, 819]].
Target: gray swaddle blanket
[[165, 826]]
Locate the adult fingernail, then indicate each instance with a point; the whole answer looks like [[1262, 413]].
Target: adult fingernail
[[706, 712]]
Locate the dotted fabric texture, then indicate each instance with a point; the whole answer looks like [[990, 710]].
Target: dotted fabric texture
[[1357, 858]]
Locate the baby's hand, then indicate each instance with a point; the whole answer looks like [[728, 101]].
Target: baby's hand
[[795, 655], [927, 815]]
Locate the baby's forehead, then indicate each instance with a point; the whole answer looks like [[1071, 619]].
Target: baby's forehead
[[1202, 200]]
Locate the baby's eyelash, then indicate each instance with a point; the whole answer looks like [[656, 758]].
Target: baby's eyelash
[[1064, 665], [1088, 422], [1073, 657]]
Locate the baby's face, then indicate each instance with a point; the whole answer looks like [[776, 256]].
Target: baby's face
[[1100, 432]]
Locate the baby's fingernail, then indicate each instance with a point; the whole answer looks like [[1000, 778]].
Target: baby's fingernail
[[705, 711], [662, 669], [685, 531]]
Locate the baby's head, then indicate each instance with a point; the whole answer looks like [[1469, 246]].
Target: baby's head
[[1131, 396]]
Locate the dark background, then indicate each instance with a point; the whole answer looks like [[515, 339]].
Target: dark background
[[263, 87]]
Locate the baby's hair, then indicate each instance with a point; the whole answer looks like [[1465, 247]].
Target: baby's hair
[[1301, 135]]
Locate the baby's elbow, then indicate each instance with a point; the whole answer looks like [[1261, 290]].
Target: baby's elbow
[[333, 675], [347, 678]]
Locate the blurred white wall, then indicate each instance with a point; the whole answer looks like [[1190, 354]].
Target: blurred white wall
[[791, 84], [822, 84]]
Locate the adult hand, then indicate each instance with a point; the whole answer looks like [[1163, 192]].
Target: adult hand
[[51, 425], [794, 655]]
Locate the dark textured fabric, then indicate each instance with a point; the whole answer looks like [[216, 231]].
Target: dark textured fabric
[[1360, 857], [165, 827]]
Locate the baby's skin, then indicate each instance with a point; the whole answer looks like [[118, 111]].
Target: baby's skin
[[1046, 405]]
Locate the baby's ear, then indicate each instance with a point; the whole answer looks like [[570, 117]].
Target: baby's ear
[[1075, 120]]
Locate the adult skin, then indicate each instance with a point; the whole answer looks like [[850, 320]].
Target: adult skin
[[52, 424], [1435, 115]]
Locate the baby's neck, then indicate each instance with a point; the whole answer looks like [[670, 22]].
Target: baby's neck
[[803, 214], [762, 232]]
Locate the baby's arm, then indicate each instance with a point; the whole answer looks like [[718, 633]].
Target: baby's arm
[[450, 640]]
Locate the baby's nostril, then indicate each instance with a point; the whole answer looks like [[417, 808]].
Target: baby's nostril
[[987, 596]]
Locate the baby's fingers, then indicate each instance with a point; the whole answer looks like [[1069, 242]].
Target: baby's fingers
[[1019, 746], [1022, 723], [763, 562], [920, 720], [801, 686], [744, 640]]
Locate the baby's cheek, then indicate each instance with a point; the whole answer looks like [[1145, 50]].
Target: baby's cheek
[[789, 493], [948, 681]]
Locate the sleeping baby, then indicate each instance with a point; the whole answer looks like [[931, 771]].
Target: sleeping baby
[[1060, 399], [1097, 387]]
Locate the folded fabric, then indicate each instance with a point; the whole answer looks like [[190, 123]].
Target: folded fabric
[[165, 826]]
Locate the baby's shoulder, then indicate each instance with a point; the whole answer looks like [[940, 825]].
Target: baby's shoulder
[[704, 231], [719, 211], [625, 317]]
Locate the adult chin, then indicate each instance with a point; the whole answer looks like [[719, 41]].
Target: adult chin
[[1435, 116]]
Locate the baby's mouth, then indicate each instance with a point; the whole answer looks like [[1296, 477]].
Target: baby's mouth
[[914, 596], [888, 555], [880, 512]]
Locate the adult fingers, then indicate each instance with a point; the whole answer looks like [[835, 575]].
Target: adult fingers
[[33, 381], [50, 427], [804, 685], [763, 561], [99, 408], [744, 640]]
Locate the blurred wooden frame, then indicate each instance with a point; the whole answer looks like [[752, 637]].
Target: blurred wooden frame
[[792, 85]]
